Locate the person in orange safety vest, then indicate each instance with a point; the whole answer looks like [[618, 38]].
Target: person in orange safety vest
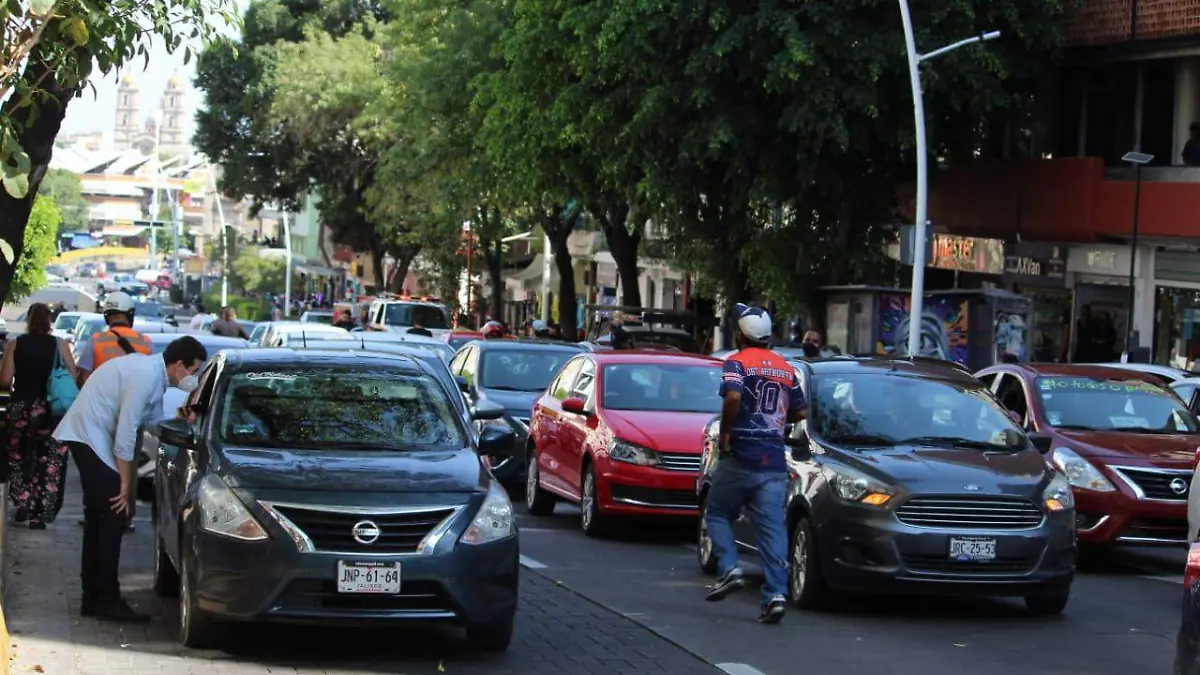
[[120, 339]]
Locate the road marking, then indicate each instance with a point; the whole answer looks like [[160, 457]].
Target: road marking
[[531, 563], [739, 669], [1176, 579]]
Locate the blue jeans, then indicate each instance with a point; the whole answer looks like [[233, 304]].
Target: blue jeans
[[763, 494]]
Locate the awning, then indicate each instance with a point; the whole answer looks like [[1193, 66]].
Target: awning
[[122, 231], [534, 272]]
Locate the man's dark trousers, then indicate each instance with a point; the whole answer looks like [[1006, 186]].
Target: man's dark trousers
[[102, 529]]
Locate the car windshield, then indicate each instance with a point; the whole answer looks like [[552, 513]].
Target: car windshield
[[665, 387], [147, 309], [318, 317], [520, 369], [86, 329], [1113, 405], [409, 314], [884, 410], [66, 322], [643, 336], [330, 408]]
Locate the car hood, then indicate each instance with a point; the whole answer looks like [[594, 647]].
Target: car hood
[[1169, 451], [924, 470], [517, 403], [657, 430], [354, 471]]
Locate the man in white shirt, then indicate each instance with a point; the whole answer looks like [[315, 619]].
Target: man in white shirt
[[101, 431]]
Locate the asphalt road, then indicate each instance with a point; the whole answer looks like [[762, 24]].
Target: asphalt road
[[1122, 618]]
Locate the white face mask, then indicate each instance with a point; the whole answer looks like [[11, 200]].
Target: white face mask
[[188, 384]]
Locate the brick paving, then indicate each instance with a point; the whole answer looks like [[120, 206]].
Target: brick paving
[[558, 632]]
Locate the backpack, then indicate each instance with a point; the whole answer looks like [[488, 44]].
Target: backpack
[[61, 389]]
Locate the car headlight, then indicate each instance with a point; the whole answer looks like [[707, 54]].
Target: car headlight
[[1058, 496], [1080, 472], [623, 451], [853, 486], [221, 512], [494, 520]]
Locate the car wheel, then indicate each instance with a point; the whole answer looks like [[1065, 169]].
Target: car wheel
[[704, 545], [166, 578], [1048, 603], [806, 584], [537, 500], [493, 637], [195, 630], [593, 522]]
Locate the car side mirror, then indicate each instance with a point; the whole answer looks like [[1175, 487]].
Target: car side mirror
[[574, 405], [1042, 442], [176, 432], [463, 385], [487, 410], [496, 440], [798, 441]]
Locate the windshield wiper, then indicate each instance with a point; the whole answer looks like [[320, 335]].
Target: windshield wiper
[[1074, 427], [1145, 430], [862, 439], [952, 442], [505, 387]]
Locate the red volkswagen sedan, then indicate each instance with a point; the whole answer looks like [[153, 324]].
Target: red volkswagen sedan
[[621, 434], [1126, 443]]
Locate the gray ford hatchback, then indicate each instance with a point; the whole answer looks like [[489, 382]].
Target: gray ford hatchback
[[332, 488], [908, 477]]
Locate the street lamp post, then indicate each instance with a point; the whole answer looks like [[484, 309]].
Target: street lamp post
[[916, 304], [287, 266], [1137, 159], [212, 183]]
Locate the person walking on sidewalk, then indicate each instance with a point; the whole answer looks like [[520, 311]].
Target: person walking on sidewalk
[[761, 396], [100, 429], [36, 461]]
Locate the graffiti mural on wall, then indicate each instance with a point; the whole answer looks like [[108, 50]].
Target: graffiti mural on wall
[[943, 327]]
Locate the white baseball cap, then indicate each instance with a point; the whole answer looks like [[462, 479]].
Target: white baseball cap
[[753, 322]]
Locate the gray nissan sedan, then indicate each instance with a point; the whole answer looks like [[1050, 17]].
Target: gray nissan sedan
[[909, 477], [331, 487]]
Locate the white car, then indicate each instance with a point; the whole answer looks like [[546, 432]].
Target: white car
[[126, 283]]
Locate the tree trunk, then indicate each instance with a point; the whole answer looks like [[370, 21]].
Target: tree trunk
[[377, 264], [36, 139], [404, 256], [624, 235], [493, 254], [566, 288]]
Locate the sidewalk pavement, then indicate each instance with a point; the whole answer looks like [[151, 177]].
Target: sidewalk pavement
[[558, 632]]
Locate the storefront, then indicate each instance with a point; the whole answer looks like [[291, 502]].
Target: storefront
[[1101, 304], [1039, 272], [965, 262], [1177, 308]]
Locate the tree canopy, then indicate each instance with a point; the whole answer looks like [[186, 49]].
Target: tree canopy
[[67, 192], [39, 247]]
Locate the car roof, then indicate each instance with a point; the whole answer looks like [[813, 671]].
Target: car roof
[[286, 356], [206, 339], [931, 369], [654, 356], [513, 345], [1083, 370], [1153, 368], [378, 347]]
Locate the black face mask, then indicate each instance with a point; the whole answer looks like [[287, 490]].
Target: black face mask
[[810, 350]]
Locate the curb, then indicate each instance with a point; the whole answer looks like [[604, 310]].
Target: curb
[[579, 594]]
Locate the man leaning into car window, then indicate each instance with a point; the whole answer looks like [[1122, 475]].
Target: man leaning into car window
[[762, 396]]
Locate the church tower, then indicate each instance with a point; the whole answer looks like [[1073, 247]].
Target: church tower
[[128, 126], [173, 107]]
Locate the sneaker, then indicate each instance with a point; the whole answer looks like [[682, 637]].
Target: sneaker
[[731, 581], [121, 612], [774, 610]]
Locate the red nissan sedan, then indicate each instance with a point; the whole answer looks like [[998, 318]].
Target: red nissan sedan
[[621, 434], [1126, 443]]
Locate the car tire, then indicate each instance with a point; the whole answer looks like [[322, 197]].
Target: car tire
[[593, 522], [494, 636], [166, 577], [806, 583], [538, 500], [196, 630], [1048, 603], [705, 552]]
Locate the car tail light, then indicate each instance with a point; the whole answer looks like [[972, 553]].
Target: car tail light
[[1191, 574]]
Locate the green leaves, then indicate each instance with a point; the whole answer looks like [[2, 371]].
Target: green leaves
[[37, 247]]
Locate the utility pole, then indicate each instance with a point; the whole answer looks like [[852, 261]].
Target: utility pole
[[287, 266], [920, 233], [155, 207]]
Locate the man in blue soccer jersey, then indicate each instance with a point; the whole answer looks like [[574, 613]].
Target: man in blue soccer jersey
[[762, 396]]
